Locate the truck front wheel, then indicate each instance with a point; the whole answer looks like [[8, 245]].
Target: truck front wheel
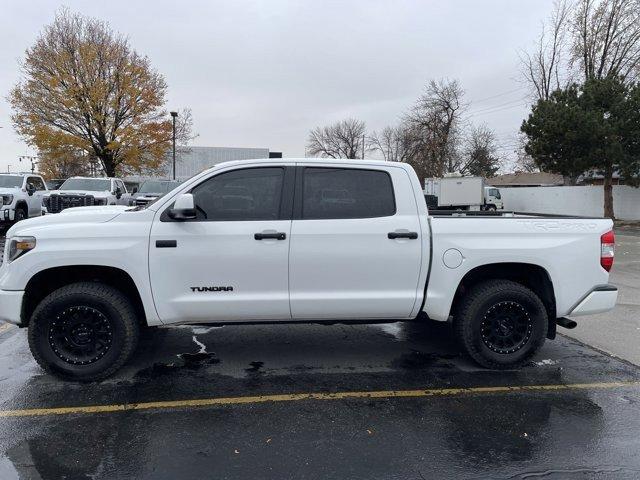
[[501, 324], [83, 331]]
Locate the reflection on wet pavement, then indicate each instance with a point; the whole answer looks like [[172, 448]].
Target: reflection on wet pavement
[[578, 433]]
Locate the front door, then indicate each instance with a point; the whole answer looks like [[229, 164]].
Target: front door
[[356, 247], [231, 262], [35, 201]]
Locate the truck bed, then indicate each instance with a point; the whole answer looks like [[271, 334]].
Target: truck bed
[[567, 248], [503, 213]]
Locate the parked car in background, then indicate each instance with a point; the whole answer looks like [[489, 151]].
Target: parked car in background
[[85, 192], [54, 183], [21, 195], [151, 190], [302, 240]]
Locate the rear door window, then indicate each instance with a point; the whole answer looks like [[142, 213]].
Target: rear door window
[[340, 193]]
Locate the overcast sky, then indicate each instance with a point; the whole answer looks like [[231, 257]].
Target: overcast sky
[[262, 74]]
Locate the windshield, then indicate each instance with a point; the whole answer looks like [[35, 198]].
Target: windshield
[[154, 186], [9, 181], [494, 192], [91, 184]]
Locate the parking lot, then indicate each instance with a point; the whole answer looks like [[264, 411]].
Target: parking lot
[[342, 401]]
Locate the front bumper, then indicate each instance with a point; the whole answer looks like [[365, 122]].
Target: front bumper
[[601, 299], [7, 214], [11, 306]]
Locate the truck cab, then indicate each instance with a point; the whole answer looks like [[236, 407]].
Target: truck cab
[[492, 199]]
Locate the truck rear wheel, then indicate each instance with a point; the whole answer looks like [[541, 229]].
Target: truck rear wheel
[[84, 331], [501, 324]]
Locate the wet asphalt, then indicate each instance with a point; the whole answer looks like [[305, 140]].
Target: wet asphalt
[[589, 429]]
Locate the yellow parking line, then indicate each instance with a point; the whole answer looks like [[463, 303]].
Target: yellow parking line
[[205, 402]]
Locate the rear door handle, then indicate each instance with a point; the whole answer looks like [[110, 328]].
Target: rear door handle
[[409, 235], [265, 236], [166, 243]]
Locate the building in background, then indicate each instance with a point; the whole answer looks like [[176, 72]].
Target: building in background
[[525, 179], [193, 160]]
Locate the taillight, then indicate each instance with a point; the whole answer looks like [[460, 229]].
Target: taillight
[[607, 250]]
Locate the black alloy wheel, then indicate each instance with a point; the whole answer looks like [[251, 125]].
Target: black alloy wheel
[[80, 335], [506, 327]]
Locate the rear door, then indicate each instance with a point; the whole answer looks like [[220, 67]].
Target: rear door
[[355, 243]]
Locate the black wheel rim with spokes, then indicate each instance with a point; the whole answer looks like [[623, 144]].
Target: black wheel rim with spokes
[[506, 327], [80, 335]]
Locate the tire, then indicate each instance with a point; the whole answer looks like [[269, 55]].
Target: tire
[[501, 324], [21, 214], [491, 208], [84, 331]]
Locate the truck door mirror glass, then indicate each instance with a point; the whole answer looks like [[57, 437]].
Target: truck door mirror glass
[[118, 193], [30, 189], [183, 208]]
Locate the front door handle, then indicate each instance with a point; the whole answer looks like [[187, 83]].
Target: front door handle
[[409, 235], [274, 235]]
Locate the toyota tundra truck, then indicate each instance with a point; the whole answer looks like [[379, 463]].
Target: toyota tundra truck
[[306, 240]]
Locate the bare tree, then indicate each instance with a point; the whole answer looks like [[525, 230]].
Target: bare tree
[[435, 123], [606, 38], [523, 161], [481, 153], [396, 144], [544, 70], [343, 139]]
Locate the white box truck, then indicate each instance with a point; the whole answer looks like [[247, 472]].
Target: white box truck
[[466, 193]]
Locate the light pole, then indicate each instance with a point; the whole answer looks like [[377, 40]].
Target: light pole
[[173, 116], [32, 159]]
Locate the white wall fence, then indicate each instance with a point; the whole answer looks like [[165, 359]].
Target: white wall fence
[[585, 201]]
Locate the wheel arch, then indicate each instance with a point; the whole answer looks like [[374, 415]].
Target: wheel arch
[[46, 281], [530, 275]]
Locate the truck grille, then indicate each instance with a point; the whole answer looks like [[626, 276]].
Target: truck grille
[[57, 203]]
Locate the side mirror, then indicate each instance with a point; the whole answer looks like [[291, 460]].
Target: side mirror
[[135, 190], [118, 193], [183, 208], [30, 189]]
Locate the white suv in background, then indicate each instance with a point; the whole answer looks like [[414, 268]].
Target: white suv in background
[[21, 195]]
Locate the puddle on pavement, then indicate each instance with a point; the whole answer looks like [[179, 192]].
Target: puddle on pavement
[[254, 367]]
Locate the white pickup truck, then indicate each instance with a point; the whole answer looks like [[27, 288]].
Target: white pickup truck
[[307, 240], [86, 191]]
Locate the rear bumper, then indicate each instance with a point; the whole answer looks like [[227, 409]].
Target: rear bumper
[[11, 306], [601, 299]]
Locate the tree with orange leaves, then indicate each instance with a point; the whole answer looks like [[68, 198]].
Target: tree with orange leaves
[[86, 90]]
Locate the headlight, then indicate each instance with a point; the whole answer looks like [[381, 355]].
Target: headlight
[[19, 246], [7, 199]]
